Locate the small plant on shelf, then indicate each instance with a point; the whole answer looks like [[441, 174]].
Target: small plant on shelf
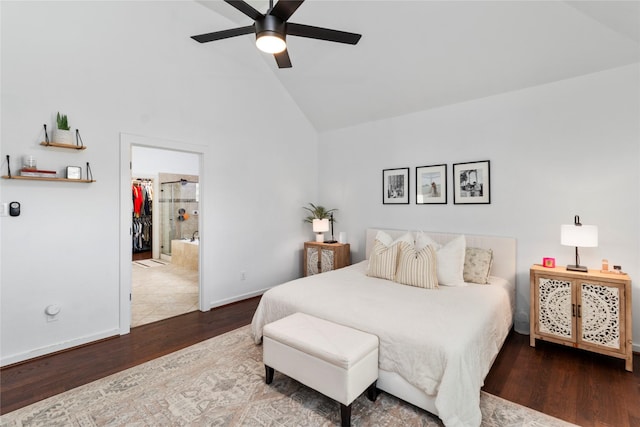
[[62, 134], [63, 123]]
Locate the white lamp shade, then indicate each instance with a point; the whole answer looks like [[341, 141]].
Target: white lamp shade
[[320, 225], [584, 236]]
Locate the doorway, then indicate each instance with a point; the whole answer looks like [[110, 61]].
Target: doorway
[[166, 282]]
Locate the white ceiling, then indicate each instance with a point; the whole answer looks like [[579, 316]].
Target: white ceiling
[[417, 55]]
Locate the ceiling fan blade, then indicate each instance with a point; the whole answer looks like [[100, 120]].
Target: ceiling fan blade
[[224, 34], [245, 8], [282, 59], [319, 33], [285, 8]]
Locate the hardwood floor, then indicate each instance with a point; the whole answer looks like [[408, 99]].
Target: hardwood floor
[[583, 388]]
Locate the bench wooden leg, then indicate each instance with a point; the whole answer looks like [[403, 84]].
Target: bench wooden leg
[[372, 392], [268, 374], [345, 415]]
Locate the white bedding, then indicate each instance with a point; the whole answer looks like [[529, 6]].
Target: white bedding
[[442, 341]]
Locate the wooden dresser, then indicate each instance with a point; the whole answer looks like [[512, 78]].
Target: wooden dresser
[[321, 257], [590, 311]]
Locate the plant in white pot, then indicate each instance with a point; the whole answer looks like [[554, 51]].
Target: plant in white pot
[[319, 217], [63, 134]]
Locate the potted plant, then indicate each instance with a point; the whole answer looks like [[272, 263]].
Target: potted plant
[[62, 134], [319, 217]]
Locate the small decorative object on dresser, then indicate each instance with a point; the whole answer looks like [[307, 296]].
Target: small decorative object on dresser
[[549, 262], [321, 257], [590, 311]]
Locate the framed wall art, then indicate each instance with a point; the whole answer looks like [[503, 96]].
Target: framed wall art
[[395, 186], [471, 183], [431, 184]]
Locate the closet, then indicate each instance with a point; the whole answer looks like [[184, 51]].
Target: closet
[[141, 224]]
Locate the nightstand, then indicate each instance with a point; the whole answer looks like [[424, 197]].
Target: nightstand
[[590, 311], [321, 257]]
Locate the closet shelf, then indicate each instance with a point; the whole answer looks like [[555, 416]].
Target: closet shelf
[[37, 178], [69, 146]]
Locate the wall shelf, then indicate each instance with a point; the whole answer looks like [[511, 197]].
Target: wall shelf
[[38, 178], [57, 144]]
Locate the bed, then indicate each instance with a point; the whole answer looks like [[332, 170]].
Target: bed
[[436, 345]]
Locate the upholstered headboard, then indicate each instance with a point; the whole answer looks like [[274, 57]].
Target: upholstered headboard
[[504, 248]]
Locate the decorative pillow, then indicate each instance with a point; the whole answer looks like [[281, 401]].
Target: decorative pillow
[[383, 261], [450, 265], [387, 240], [383, 258], [423, 240], [477, 265], [417, 268]]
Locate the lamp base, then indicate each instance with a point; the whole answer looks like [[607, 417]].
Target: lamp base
[[577, 268], [320, 237], [331, 241]]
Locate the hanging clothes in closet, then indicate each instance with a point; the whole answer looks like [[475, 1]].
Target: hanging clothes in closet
[[142, 198]]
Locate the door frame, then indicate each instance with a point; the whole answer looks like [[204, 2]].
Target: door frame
[[126, 142]]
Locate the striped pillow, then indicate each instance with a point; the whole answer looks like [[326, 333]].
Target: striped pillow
[[383, 260], [417, 268]]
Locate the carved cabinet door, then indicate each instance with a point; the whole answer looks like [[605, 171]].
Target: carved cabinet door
[[319, 260], [556, 307], [600, 315]]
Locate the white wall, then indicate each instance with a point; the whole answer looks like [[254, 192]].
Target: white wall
[[567, 148], [130, 67], [151, 161]]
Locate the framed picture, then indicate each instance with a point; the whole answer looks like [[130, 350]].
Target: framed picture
[[395, 186], [431, 184], [471, 183]]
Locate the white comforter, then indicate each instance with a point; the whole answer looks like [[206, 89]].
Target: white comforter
[[442, 341]]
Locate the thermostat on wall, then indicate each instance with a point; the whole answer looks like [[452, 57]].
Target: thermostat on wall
[[14, 208]]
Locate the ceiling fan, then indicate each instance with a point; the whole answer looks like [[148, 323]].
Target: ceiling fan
[[272, 28]]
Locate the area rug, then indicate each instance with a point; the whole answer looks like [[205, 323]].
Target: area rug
[[220, 382]]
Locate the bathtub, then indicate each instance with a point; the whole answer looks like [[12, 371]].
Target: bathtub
[[185, 253]]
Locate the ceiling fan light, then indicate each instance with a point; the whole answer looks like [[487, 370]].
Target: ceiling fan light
[[270, 43]]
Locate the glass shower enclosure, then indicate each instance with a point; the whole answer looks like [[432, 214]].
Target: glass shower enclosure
[[179, 204]]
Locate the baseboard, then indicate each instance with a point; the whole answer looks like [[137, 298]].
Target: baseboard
[[50, 349], [636, 348], [237, 298]]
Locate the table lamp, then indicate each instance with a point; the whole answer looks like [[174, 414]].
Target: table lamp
[[320, 226], [578, 235]]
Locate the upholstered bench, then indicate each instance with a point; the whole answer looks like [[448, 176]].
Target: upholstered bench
[[337, 361]]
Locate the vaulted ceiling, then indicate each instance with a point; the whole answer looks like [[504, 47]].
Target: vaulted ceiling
[[418, 55]]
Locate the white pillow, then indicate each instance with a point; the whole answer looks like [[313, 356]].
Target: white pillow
[[387, 240], [450, 267]]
